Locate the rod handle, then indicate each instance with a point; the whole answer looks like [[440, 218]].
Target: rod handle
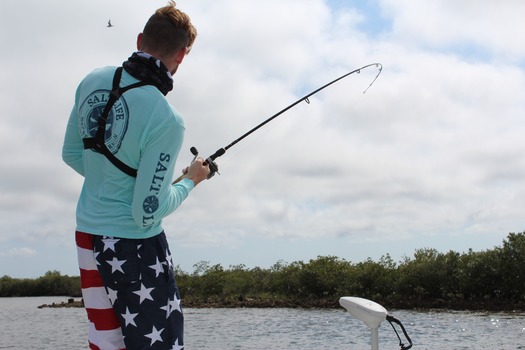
[[210, 161]]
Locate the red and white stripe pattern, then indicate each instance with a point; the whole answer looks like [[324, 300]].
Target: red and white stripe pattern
[[104, 327]]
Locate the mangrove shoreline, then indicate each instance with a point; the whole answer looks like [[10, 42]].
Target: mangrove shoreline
[[490, 280]]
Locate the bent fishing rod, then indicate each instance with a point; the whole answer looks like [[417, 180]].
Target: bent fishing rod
[[214, 168]]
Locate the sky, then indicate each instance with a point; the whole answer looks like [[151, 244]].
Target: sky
[[431, 156]]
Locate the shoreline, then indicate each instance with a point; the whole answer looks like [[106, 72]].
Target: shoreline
[[437, 306]]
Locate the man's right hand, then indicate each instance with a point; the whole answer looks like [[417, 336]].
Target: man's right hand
[[197, 171]]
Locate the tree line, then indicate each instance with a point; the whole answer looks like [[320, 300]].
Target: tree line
[[493, 279], [53, 283]]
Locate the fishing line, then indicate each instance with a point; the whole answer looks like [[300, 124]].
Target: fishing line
[[211, 159]]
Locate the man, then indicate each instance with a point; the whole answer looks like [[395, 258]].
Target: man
[[124, 137]]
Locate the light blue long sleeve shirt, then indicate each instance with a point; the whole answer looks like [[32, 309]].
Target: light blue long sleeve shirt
[[146, 133]]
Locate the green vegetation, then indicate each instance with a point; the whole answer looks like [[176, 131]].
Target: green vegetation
[[51, 284], [489, 280]]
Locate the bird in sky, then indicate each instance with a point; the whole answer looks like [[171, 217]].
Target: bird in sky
[[109, 24]]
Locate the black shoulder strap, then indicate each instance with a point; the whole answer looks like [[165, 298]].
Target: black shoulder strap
[[98, 143]]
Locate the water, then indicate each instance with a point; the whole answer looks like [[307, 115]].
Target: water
[[24, 326]]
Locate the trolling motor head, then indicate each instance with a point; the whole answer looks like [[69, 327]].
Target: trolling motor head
[[373, 314]]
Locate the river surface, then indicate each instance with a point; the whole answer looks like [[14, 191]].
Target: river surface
[[24, 326]]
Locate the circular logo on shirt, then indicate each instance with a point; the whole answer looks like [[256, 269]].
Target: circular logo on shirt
[[150, 204], [116, 122]]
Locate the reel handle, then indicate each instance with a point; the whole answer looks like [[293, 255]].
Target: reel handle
[[210, 161]]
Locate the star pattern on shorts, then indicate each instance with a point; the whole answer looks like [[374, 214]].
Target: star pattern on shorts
[[154, 335], [169, 260], [112, 294], [176, 345], [171, 306], [129, 318], [116, 265], [109, 243], [157, 267], [147, 315], [95, 255], [144, 293]]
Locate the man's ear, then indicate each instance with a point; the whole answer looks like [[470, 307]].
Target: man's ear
[[139, 41], [179, 56]]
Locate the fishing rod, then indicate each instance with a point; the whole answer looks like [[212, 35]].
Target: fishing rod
[[214, 168]]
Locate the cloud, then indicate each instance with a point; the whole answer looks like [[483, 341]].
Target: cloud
[[433, 149], [443, 24], [18, 252]]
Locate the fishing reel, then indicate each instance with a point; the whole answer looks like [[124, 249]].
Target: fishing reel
[[214, 168]]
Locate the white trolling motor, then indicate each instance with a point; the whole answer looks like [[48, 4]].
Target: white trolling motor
[[372, 314]]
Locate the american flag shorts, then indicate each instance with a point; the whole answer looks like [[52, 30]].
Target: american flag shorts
[[129, 293]]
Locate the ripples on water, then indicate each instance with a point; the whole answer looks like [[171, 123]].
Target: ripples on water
[[25, 326]]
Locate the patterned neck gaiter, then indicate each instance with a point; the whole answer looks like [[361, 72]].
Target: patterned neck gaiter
[[146, 68]]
